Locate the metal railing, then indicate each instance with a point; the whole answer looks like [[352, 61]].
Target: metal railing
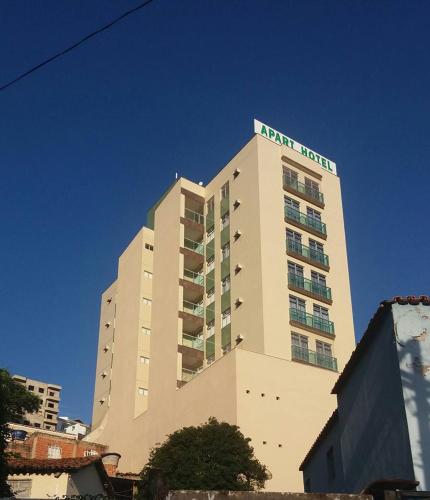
[[314, 358], [301, 188], [194, 216], [305, 220], [322, 324], [193, 342], [194, 277], [194, 309], [188, 375], [309, 286], [195, 246], [309, 253]]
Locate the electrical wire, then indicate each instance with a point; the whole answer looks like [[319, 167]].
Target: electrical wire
[[75, 45]]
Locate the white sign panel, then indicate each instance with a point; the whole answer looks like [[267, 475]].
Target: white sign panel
[[283, 140]]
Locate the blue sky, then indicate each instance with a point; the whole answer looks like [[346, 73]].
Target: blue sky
[[174, 88]]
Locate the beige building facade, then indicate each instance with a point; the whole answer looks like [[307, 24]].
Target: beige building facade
[[47, 415], [246, 315]]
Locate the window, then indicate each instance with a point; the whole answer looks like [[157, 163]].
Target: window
[[41, 390], [316, 246], [50, 405], [210, 235], [21, 488], [37, 425], [291, 177], [225, 220], [313, 214], [210, 296], [292, 235], [210, 328], [147, 274], [210, 205], [144, 360], [323, 348], [146, 301], [296, 303], [226, 349], [146, 331], [210, 264], [149, 247], [318, 279], [54, 451], [225, 251], [225, 191], [320, 312], [300, 341], [226, 318], [331, 470], [142, 391], [293, 204], [52, 393], [295, 269], [225, 284], [311, 187], [31, 387], [49, 416]]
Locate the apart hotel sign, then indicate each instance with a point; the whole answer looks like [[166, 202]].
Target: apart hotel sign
[[283, 140]]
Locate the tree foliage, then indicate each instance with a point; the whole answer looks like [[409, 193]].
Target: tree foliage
[[15, 401], [212, 456]]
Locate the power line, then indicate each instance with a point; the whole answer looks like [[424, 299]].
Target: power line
[[81, 41]]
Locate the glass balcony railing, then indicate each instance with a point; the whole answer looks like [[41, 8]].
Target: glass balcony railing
[[188, 375], [301, 188], [194, 216], [322, 324], [307, 252], [194, 277], [309, 286], [193, 342], [313, 358], [305, 220], [195, 246], [194, 309]]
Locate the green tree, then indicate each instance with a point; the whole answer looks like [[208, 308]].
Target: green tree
[[15, 400], [212, 456]]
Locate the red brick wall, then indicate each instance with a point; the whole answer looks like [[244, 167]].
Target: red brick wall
[[36, 446]]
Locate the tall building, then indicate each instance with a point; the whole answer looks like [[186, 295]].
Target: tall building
[[233, 302], [47, 415]]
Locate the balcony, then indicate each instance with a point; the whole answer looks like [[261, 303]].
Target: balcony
[[193, 286], [193, 342], [192, 317], [307, 254], [194, 224], [313, 358], [311, 322], [305, 222], [193, 252], [310, 288], [188, 375], [193, 277], [303, 191]]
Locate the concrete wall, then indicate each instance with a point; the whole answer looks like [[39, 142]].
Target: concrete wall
[[372, 432], [258, 495], [45, 485], [412, 326]]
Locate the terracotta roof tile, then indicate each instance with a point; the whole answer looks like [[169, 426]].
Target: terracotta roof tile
[[48, 465]]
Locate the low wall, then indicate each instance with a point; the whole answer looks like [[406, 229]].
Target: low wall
[[254, 495]]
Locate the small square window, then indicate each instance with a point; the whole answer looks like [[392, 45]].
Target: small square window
[[146, 331], [147, 301], [147, 274], [144, 360], [41, 390], [149, 247], [31, 387], [142, 391], [54, 451]]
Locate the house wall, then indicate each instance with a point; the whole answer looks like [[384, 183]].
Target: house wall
[[85, 482], [371, 431], [45, 485], [412, 326]]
